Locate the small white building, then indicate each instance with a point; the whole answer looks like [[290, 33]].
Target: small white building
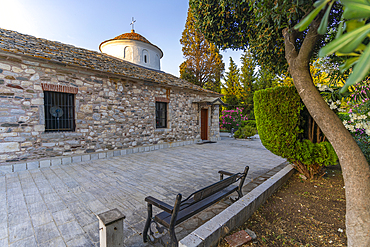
[[134, 48]]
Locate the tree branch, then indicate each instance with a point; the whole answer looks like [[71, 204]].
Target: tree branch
[[309, 42], [289, 41]]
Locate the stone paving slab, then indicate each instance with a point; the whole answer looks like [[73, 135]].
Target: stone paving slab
[[57, 205]]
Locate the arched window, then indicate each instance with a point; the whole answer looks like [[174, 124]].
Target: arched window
[[145, 56], [127, 54]]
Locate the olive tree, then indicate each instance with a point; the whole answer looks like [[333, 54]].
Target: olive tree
[[267, 28]]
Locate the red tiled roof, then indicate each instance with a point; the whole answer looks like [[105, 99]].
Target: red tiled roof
[[131, 36]]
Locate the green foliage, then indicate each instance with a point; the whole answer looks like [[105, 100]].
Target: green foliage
[[245, 132], [257, 25], [251, 123], [265, 79], [279, 120], [247, 129], [233, 90], [203, 64], [247, 80], [351, 40]]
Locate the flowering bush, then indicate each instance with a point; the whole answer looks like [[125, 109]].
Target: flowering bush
[[232, 118], [357, 107], [358, 123], [357, 118]]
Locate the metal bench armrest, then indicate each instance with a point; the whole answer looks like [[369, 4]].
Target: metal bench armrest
[[159, 204], [222, 173], [226, 173]]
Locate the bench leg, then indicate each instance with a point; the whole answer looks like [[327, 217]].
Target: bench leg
[[147, 224], [171, 229], [174, 242]]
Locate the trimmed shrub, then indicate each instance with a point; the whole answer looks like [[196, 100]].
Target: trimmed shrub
[[245, 132], [283, 123], [248, 128], [251, 123]]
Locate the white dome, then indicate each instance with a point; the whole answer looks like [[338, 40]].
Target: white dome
[[133, 48]]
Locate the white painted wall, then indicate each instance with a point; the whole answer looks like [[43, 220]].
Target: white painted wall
[[134, 51]]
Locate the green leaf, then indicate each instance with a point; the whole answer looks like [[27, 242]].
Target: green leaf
[[324, 22], [318, 3], [346, 2], [303, 24], [356, 11], [360, 71], [348, 64], [351, 46], [354, 24], [340, 30], [337, 44], [339, 54], [361, 47]]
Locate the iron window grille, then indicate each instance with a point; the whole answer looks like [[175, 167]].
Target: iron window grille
[[59, 111], [161, 114]]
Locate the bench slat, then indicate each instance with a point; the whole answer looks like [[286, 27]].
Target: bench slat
[[164, 218], [209, 190]]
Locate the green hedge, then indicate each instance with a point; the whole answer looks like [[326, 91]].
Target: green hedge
[[280, 121]]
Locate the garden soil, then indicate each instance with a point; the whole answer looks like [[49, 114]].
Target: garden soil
[[302, 213]]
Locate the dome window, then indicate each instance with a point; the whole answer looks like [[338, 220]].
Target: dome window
[[145, 56]]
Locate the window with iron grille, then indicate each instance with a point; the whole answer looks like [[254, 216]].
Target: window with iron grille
[[161, 114], [59, 111]]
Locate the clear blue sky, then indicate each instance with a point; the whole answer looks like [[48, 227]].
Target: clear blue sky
[[87, 23]]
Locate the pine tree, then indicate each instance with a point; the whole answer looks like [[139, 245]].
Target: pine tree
[[265, 79], [232, 88], [203, 64], [247, 79]]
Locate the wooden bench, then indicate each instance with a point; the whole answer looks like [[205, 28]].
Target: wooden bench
[[195, 203]]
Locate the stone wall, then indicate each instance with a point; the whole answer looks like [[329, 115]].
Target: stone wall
[[111, 112], [214, 123]]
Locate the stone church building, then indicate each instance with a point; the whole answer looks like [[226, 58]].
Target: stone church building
[[61, 104]]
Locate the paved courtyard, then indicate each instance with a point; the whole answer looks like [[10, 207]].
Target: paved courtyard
[[57, 206]]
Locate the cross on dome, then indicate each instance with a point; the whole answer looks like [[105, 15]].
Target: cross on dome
[[132, 25]]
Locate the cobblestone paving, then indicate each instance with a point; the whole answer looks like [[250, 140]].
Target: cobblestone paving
[[57, 206]]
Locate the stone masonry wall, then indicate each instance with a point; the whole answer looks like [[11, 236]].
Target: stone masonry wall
[[214, 123], [111, 112]]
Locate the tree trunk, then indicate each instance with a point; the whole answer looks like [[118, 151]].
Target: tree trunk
[[356, 170]]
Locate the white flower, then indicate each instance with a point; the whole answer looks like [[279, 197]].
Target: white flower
[[358, 126], [333, 106], [345, 122], [338, 102], [351, 128]]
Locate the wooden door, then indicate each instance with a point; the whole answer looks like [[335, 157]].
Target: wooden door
[[204, 124]]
